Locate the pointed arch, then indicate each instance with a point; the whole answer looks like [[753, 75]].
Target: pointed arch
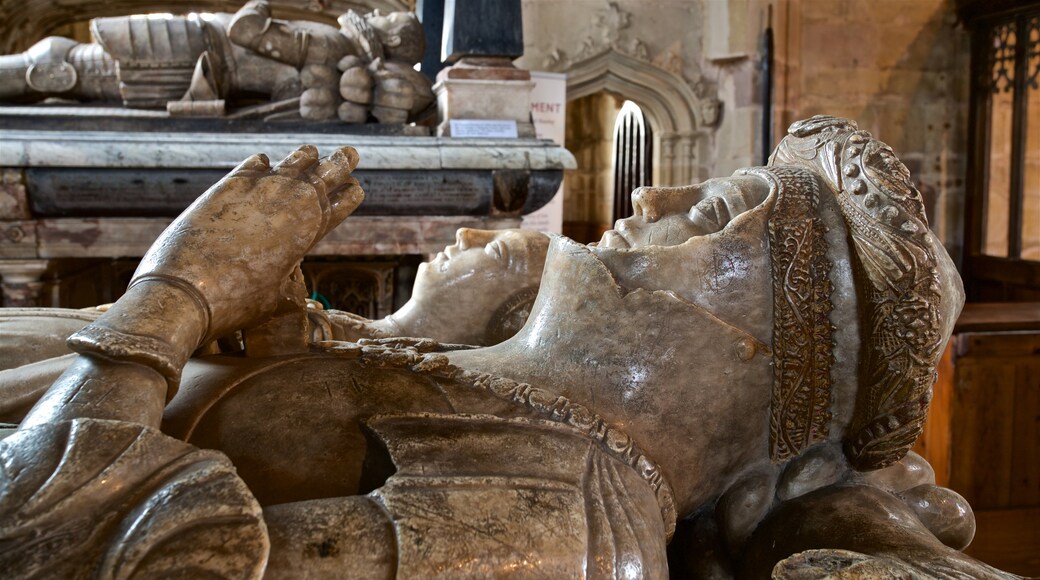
[[671, 106]]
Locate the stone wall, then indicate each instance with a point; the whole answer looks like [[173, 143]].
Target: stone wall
[[899, 67], [589, 189]]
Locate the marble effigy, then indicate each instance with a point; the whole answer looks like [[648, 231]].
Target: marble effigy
[[213, 64], [478, 292], [739, 370]]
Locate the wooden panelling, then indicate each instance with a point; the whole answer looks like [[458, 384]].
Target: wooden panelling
[[1025, 451], [934, 444], [983, 430], [1008, 539]]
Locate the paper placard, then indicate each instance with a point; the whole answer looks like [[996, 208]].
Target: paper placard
[[483, 128], [549, 114]]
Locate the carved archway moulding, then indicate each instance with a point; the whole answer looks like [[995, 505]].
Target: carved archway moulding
[[23, 22], [675, 111]]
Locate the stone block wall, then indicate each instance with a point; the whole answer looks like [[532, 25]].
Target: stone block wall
[[899, 67]]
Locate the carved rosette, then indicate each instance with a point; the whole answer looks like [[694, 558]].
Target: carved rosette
[[801, 400], [896, 265]]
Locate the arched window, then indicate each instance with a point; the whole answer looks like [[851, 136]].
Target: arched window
[[633, 155], [1002, 261]]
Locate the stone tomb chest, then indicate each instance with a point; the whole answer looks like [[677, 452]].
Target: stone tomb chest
[[87, 184]]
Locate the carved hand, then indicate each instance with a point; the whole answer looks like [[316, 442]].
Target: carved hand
[[229, 261]]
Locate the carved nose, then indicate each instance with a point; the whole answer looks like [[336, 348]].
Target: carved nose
[[645, 204], [468, 237]]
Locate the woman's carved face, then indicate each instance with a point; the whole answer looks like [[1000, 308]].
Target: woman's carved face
[[669, 216], [489, 261], [705, 243]]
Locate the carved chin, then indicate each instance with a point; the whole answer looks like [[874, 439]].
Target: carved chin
[[612, 239]]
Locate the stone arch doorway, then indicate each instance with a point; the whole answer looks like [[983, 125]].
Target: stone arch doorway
[[678, 117], [676, 113]]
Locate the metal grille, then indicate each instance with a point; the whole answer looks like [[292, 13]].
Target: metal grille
[[633, 155]]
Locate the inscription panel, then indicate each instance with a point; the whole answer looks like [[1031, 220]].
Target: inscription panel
[[86, 192]]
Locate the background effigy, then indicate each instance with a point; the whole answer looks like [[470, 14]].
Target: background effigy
[[138, 122]]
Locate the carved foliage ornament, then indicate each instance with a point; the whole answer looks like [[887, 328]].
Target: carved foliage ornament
[[894, 257], [801, 399]]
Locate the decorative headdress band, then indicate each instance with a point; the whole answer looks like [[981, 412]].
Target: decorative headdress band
[[897, 274], [802, 344]]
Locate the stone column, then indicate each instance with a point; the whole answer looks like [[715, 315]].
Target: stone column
[[21, 282], [666, 172], [684, 158]]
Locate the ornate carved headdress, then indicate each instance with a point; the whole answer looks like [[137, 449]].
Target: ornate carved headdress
[[900, 273], [799, 414]]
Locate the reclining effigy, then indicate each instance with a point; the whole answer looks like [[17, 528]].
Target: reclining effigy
[[478, 292], [740, 369], [203, 64]]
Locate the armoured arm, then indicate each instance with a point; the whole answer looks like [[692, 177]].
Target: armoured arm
[[294, 43]]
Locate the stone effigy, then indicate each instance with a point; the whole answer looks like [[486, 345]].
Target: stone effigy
[[197, 65], [476, 292], [740, 369]]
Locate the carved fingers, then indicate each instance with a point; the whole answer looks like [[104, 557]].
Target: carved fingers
[[222, 265], [344, 191], [338, 193], [252, 165]]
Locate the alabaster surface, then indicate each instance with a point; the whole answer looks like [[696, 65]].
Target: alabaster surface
[[476, 292], [739, 370], [212, 64]]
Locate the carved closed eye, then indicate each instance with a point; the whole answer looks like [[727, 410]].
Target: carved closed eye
[[496, 250]]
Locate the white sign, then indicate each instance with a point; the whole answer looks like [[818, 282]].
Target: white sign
[[549, 114], [485, 129]]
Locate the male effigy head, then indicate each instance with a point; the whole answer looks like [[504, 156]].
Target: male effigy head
[[908, 288]]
